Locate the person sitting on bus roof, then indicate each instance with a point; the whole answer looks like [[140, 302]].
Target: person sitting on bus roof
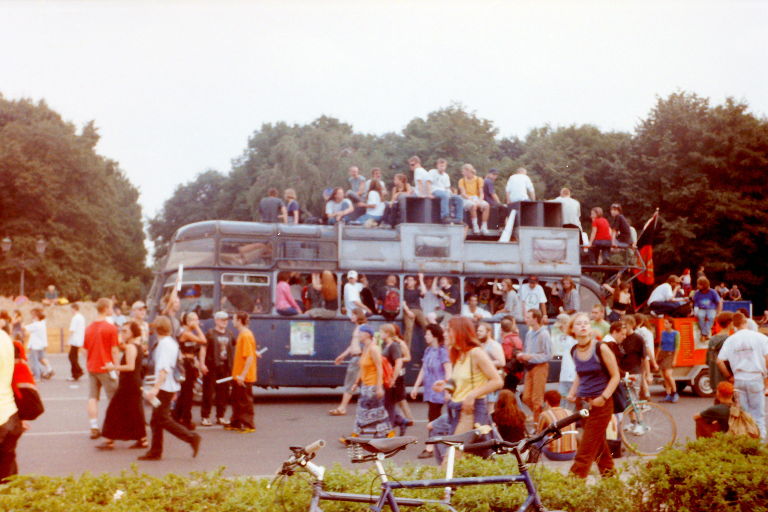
[[422, 179], [374, 206], [284, 302], [620, 230], [471, 189], [376, 176], [533, 297], [272, 208], [338, 208], [473, 310], [356, 181], [292, 206], [664, 302], [441, 189], [352, 298]]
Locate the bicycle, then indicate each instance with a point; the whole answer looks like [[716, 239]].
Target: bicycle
[[645, 428], [376, 450]]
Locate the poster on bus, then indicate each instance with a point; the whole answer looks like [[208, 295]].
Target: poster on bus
[[302, 338]]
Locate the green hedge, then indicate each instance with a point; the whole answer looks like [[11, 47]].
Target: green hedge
[[723, 473]]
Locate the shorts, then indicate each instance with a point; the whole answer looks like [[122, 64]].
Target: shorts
[[95, 383], [397, 391], [666, 360], [471, 201], [353, 371]]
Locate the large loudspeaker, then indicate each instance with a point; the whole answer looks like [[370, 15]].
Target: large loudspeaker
[[539, 214], [420, 209]]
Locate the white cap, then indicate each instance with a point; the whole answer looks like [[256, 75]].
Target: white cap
[[352, 274]]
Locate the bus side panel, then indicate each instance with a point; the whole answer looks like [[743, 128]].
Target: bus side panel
[[691, 353]]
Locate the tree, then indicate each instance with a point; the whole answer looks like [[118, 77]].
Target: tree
[[57, 187]]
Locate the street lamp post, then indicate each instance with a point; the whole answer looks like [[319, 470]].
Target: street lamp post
[[6, 244]]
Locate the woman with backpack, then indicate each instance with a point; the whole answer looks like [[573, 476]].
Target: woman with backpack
[[597, 377]]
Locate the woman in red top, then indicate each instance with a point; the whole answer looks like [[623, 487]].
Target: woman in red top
[[600, 238]]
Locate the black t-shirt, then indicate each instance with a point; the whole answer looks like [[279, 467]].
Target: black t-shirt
[[633, 348], [621, 226], [453, 293], [393, 353], [719, 413], [220, 347], [269, 208], [412, 298]]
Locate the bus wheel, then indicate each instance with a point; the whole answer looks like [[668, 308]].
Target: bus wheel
[[702, 385]]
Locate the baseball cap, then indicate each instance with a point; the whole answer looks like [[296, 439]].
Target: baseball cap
[[138, 305], [351, 274], [221, 315], [366, 328]]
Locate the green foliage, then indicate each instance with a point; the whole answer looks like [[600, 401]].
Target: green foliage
[[57, 187], [722, 473]]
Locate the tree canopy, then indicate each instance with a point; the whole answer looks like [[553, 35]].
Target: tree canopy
[[704, 166], [55, 186]]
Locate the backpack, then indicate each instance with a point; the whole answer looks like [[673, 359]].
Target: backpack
[[741, 423], [391, 304], [387, 372]]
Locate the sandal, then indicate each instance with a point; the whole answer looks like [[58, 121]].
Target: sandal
[[141, 443], [337, 412], [426, 454], [108, 445]]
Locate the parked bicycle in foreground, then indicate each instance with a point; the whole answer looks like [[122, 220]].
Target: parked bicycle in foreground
[[376, 450]]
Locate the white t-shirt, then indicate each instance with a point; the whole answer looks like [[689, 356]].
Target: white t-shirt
[[332, 207], [571, 210], [532, 298], [465, 311], [77, 328], [351, 296], [514, 305], [421, 174], [567, 366], [38, 335], [752, 325], [518, 186], [7, 401], [375, 198], [662, 293], [166, 356], [440, 181], [746, 351], [647, 336]]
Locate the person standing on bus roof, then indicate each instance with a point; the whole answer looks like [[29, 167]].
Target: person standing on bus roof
[[272, 208], [520, 187], [352, 298], [244, 376]]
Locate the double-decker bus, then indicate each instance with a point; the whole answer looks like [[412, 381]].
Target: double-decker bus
[[233, 266]]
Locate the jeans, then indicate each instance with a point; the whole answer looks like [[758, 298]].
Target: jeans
[[601, 247], [752, 399], [37, 368], [220, 391], [706, 320], [446, 201], [366, 217], [446, 424], [289, 311]]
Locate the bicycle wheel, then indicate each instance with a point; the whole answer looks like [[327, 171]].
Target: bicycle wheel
[[647, 428]]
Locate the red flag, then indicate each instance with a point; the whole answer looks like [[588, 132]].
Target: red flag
[[645, 248]]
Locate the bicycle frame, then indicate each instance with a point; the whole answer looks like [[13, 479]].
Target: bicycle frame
[[387, 496]]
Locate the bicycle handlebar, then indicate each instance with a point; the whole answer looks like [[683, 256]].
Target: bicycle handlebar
[[314, 447], [300, 455]]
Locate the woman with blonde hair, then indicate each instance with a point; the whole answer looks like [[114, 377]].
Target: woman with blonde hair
[[292, 206]]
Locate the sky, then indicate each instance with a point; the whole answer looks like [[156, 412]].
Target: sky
[[177, 87]]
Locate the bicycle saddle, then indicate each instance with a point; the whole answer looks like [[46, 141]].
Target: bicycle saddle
[[466, 437], [384, 445]]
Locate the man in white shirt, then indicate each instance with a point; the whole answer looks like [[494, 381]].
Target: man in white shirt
[[663, 301], [166, 356], [376, 175], [472, 309], [571, 209], [352, 298], [76, 338], [747, 352], [38, 342], [533, 297], [520, 187], [10, 423], [441, 189], [421, 177]]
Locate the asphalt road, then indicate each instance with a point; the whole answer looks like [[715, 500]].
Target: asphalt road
[[58, 442]]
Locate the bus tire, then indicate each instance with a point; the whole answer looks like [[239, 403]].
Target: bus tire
[[702, 386]]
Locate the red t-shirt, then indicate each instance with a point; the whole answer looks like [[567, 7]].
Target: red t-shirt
[[602, 227], [100, 337]]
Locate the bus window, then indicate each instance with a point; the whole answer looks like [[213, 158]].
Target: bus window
[[192, 253], [240, 253], [306, 253], [196, 292], [245, 292]]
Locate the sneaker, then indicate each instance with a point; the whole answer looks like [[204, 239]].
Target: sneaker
[[667, 398], [246, 430], [426, 454], [674, 398], [230, 427], [485, 232], [205, 422], [222, 421], [475, 230], [95, 433]]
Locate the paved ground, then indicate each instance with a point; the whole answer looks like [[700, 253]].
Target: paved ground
[[58, 443]]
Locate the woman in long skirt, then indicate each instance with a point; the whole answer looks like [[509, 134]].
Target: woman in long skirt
[[371, 418], [125, 415]]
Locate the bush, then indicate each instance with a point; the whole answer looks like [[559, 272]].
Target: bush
[[723, 473]]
